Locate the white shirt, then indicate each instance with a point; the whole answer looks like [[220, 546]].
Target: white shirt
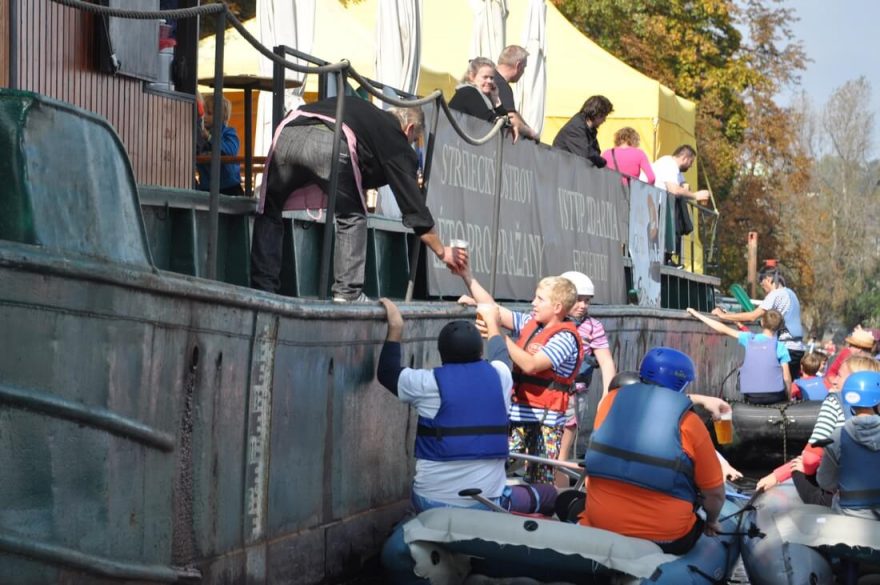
[[442, 480], [666, 171]]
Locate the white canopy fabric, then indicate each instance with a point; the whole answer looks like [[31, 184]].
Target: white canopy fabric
[[531, 89], [398, 60], [282, 22], [399, 43], [488, 38]]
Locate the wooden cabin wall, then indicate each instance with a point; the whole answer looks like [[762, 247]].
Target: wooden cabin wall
[[57, 56], [4, 43]]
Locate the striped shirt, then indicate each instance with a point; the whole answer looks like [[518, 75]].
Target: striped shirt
[[830, 417], [563, 353], [593, 333]]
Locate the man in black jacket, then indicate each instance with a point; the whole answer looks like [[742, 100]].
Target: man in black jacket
[[375, 150], [578, 136]]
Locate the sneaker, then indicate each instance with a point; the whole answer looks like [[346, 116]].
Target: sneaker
[[361, 298]]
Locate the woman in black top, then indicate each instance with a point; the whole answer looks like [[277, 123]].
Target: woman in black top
[[477, 95]]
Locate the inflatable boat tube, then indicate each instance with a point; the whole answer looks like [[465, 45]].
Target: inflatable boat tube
[[769, 556], [767, 435], [447, 545], [801, 542]]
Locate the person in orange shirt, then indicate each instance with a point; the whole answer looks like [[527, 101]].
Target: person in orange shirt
[[648, 484]]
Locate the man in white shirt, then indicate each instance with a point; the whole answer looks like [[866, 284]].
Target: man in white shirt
[[463, 405], [669, 172]]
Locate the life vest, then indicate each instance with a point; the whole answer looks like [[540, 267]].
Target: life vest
[[812, 388], [858, 481], [761, 371], [639, 442], [545, 389], [472, 420]]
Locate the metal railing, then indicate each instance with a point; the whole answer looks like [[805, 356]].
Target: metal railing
[[339, 70]]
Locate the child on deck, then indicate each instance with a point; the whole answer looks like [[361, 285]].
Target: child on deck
[[546, 357], [765, 366], [809, 386], [230, 173]]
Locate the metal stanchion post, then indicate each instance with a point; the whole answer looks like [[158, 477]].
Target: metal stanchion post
[[496, 216], [329, 229], [216, 136]]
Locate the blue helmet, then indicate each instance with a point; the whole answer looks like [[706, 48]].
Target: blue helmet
[[862, 389], [667, 367]]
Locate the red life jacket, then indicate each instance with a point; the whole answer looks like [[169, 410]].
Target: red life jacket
[[545, 389]]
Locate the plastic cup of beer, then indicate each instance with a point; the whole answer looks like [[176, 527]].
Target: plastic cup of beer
[[724, 428], [458, 245]]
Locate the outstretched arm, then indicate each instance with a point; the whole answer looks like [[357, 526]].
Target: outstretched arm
[[753, 315], [481, 295], [713, 324], [389, 368], [606, 366]]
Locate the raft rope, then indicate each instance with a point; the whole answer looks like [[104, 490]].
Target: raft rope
[[343, 66], [783, 420]]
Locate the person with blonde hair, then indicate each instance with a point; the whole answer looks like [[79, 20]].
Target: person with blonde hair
[[546, 357], [477, 94], [230, 173], [627, 158]]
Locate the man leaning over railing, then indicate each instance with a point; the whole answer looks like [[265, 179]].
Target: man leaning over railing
[[374, 151]]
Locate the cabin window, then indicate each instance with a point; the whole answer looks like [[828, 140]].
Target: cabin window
[[131, 47]]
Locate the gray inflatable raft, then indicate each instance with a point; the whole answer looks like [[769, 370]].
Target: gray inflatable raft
[[796, 540]]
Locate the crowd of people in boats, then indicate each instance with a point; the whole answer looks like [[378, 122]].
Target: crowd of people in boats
[[652, 470], [651, 462]]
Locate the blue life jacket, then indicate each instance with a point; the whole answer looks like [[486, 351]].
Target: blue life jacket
[[472, 422], [858, 481], [761, 371], [639, 442], [812, 388]]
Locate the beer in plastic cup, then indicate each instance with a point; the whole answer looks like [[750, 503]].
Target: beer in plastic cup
[[458, 245], [724, 428]]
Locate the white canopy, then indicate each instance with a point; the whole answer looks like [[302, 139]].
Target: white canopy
[[488, 37], [531, 89]]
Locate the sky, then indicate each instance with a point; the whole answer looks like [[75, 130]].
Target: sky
[[841, 38]]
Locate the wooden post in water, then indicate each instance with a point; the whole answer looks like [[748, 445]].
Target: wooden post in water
[[752, 252]]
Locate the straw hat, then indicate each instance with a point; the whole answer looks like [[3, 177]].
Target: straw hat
[[861, 338]]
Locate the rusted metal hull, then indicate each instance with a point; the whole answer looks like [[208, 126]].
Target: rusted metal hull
[[153, 425]]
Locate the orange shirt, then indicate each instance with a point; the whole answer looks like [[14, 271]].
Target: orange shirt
[[636, 511]]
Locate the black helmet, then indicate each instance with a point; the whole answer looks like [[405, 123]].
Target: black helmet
[[460, 342], [622, 379]]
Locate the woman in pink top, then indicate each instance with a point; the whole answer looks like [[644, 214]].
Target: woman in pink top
[[626, 157]]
